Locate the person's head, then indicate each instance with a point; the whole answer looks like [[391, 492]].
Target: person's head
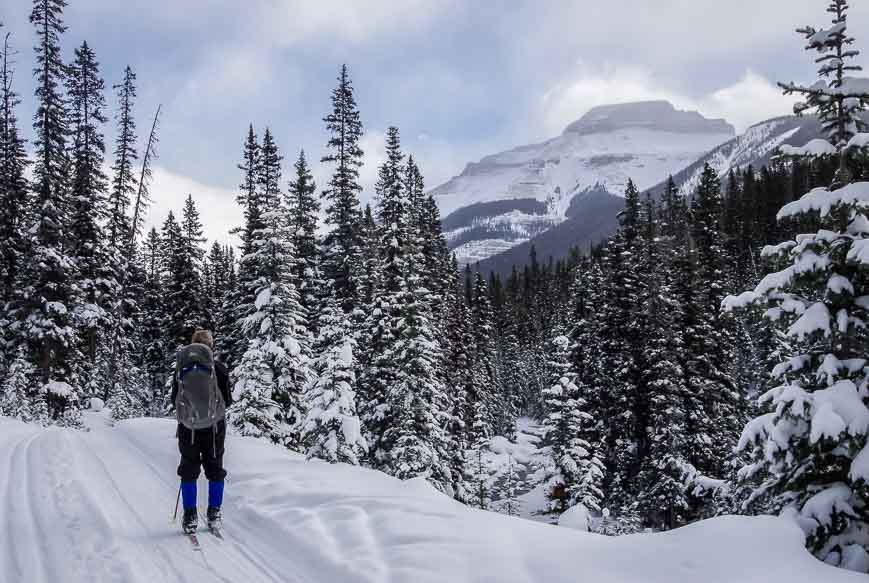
[[203, 337]]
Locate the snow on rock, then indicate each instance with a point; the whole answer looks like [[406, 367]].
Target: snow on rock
[[96, 404], [92, 507], [644, 141]]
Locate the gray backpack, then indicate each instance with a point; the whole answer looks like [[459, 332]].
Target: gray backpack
[[199, 403]]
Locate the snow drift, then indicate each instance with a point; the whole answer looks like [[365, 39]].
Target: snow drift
[[95, 506]]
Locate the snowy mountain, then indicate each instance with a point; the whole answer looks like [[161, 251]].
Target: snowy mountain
[[755, 147], [96, 507], [509, 198], [592, 216]]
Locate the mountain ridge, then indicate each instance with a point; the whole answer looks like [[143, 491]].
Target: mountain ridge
[[643, 141]]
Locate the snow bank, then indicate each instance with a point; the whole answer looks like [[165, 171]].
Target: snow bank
[[93, 506]]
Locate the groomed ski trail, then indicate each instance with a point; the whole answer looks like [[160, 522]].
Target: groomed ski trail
[[97, 506]]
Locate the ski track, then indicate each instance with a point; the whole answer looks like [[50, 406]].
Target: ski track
[[87, 506]]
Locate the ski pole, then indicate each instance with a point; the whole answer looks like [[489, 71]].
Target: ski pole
[[177, 500]]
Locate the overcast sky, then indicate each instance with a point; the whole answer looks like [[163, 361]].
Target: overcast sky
[[461, 79]]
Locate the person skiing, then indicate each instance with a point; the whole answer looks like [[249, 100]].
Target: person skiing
[[200, 394]]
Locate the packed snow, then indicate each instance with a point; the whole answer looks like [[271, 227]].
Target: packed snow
[[94, 506]]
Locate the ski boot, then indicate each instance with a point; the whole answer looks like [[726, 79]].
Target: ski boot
[[214, 517], [190, 521]]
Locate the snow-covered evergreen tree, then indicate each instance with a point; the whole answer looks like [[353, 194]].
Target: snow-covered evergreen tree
[[332, 430], [274, 369], [304, 209], [152, 340], [13, 190], [836, 98], [94, 278], [237, 305], [578, 469], [341, 247], [810, 447], [44, 294]]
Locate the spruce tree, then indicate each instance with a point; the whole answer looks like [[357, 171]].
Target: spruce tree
[[808, 448], [124, 183], [43, 299], [578, 470], [332, 430], [836, 98], [342, 244], [274, 368], [13, 185], [94, 279], [237, 307], [304, 209], [152, 341]]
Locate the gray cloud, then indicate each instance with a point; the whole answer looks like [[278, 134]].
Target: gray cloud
[[461, 79]]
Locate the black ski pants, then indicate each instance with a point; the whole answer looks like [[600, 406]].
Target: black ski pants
[[202, 448]]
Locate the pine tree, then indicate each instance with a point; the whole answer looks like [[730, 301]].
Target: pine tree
[[332, 430], [379, 368], [274, 368], [496, 413], [153, 347], [342, 244], [304, 210], [94, 279], [44, 292], [124, 183], [809, 447], [237, 305], [458, 345], [578, 469], [13, 185], [120, 254], [717, 407], [839, 100]]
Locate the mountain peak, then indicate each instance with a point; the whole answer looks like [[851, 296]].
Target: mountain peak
[[652, 115]]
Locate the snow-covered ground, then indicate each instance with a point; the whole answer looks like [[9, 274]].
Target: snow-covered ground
[[96, 506]]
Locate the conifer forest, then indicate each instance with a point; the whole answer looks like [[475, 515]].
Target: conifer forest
[[701, 357]]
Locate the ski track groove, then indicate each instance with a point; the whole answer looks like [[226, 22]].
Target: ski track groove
[[12, 547], [132, 511], [31, 503], [253, 558]]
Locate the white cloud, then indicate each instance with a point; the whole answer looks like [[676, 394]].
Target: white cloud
[[217, 206], [749, 100], [569, 100]]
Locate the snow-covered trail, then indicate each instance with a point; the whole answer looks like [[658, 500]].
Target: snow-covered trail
[[95, 506]]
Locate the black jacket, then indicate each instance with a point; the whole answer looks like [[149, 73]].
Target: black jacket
[[222, 383]]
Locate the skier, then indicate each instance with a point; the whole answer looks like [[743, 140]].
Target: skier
[[200, 393]]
